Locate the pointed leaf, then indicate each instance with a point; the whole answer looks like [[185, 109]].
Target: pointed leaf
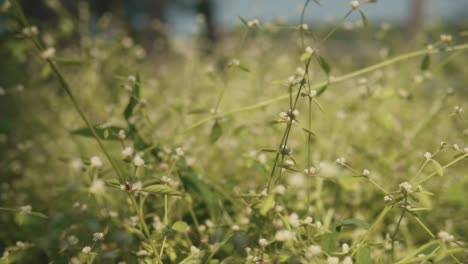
[[244, 21], [324, 64], [426, 62], [351, 221], [216, 132], [134, 98], [365, 22], [162, 189], [438, 167], [363, 255], [308, 131], [267, 204], [180, 226]]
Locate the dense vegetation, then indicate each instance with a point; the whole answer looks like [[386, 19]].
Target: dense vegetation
[[282, 145]]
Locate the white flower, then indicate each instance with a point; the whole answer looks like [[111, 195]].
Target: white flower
[[138, 161], [445, 38], [445, 236], [308, 220], [253, 23], [313, 93], [86, 250], [72, 240], [427, 155], [235, 228], [127, 152], [340, 160], [309, 50], [5, 254], [122, 134], [284, 235], [354, 4], [26, 209], [465, 150], [76, 164], [262, 242], [294, 220], [333, 260], [131, 79], [30, 31], [98, 236], [96, 162], [388, 198], [318, 224], [195, 251], [345, 248], [405, 186], [280, 189], [98, 186], [314, 250], [296, 180], [348, 260], [48, 53], [142, 253], [179, 152], [137, 186], [365, 172], [304, 27], [21, 244], [310, 171]]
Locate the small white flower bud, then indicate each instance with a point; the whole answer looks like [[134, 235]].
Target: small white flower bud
[[304, 27], [354, 5], [345, 248], [48, 53], [195, 252], [138, 161], [26, 209], [405, 186], [122, 135], [96, 162], [427, 155], [365, 172], [98, 236], [86, 250], [262, 242]]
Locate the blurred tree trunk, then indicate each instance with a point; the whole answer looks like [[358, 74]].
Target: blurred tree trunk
[[416, 19], [205, 7]]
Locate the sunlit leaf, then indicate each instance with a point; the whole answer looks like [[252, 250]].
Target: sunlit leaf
[[162, 189]]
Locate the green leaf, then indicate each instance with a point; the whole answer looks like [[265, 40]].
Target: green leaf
[[322, 89], [162, 189], [365, 22], [243, 68], [438, 167], [363, 255], [216, 132], [308, 131], [180, 226], [244, 21], [267, 204], [426, 62], [329, 241], [113, 182], [134, 98], [351, 221], [108, 133], [324, 64]]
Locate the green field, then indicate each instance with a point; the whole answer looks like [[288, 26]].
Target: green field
[[279, 144]]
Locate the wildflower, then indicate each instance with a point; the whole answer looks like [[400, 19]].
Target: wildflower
[[465, 150], [5, 254], [138, 161], [21, 244], [132, 79], [318, 224], [345, 248], [405, 186], [235, 228], [179, 152], [122, 135], [96, 162], [309, 50], [388, 198], [457, 109], [365, 172], [30, 31], [312, 93], [98, 236], [314, 250], [310, 171], [456, 147], [348, 260], [280, 189], [48, 53], [97, 187], [195, 251], [446, 38], [291, 80], [285, 150], [294, 220], [304, 27], [127, 153], [340, 160], [86, 249], [26, 209], [142, 253], [76, 164], [72, 240], [445, 236], [253, 23], [333, 260], [354, 5], [308, 220], [284, 235], [137, 186], [262, 242], [428, 155], [296, 180]]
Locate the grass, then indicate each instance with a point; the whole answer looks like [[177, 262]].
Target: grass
[[265, 151]]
